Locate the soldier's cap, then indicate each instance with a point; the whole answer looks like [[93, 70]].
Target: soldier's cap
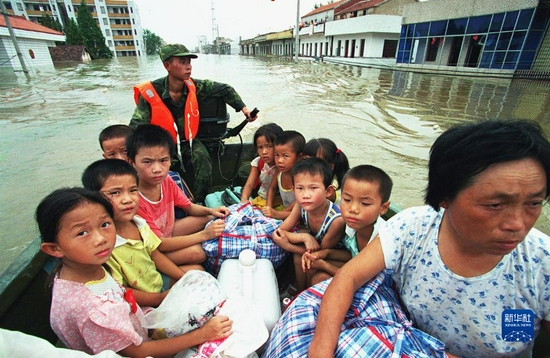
[[176, 50]]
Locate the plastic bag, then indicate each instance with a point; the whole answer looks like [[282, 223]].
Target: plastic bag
[[191, 302], [249, 331]]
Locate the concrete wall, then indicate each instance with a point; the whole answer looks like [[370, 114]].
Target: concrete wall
[[434, 10], [364, 24], [42, 58]]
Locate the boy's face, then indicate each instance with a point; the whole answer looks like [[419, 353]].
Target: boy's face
[[152, 164], [123, 193], [309, 191], [285, 157], [361, 204], [115, 148]]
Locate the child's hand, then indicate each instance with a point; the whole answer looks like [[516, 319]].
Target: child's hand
[[279, 238], [268, 211], [215, 229], [220, 212], [311, 244], [306, 262], [217, 327]]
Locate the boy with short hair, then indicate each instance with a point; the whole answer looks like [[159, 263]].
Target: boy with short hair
[[288, 150], [311, 179], [135, 261], [150, 150], [366, 192], [112, 141]]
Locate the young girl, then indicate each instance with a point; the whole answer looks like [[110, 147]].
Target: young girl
[[263, 167], [90, 311], [326, 149]]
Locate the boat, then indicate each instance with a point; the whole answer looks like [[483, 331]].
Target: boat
[[25, 303]]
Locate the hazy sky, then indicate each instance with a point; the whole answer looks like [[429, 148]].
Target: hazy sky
[[183, 21]]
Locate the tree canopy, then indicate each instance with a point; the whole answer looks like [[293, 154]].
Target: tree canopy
[[153, 42], [94, 41], [72, 34], [50, 22]]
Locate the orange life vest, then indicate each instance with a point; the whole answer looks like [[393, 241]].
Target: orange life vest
[[161, 116]]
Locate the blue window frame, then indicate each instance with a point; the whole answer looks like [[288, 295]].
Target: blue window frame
[[524, 19], [496, 24], [438, 28], [504, 41], [421, 29], [478, 24], [510, 20], [517, 40], [457, 26]]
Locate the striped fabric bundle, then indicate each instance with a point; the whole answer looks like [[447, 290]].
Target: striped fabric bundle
[[246, 227], [374, 326]]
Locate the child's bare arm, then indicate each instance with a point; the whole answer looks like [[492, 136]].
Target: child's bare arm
[[282, 239], [175, 243], [338, 296], [334, 233], [291, 220], [165, 265], [199, 210], [217, 327], [149, 299], [272, 190], [249, 185]]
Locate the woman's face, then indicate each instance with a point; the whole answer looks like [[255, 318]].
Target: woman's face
[[495, 213]]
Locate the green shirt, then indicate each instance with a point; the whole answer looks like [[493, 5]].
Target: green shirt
[[206, 89]]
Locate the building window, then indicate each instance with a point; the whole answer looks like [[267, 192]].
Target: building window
[[31, 53], [433, 47], [133, 21], [107, 32], [110, 43], [105, 22], [390, 48], [102, 8], [69, 7], [131, 10], [19, 7]]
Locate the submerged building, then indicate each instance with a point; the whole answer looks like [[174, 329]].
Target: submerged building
[[489, 37], [118, 20], [504, 38]]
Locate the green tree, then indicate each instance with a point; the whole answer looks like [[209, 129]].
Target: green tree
[[153, 42], [50, 22], [72, 34], [94, 41]]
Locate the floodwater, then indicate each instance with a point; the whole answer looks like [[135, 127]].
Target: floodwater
[[49, 125]]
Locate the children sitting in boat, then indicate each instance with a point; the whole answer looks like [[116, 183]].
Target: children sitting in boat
[[325, 227], [112, 141], [262, 167], [326, 149], [90, 311], [366, 192], [149, 150], [288, 150], [135, 261]]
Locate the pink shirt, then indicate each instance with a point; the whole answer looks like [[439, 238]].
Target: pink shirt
[[86, 322], [160, 214]]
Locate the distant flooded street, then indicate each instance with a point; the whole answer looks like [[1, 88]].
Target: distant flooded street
[[49, 126]]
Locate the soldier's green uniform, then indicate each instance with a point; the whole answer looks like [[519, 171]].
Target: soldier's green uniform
[[197, 161]]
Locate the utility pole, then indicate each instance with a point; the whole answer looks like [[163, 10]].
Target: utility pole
[[297, 41], [14, 40], [214, 27]]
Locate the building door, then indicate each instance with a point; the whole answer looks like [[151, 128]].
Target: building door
[[456, 45], [474, 50], [352, 54], [362, 48], [346, 48], [390, 48], [338, 49]]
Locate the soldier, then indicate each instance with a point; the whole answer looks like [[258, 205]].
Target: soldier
[[172, 102]]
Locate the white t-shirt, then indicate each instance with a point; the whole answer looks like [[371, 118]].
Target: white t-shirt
[[266, 175], [465, 313]]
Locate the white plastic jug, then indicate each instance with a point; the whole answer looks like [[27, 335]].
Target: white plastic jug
[[254, 279]]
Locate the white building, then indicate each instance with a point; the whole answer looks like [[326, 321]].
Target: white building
[[118, 19], [33, 40]]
